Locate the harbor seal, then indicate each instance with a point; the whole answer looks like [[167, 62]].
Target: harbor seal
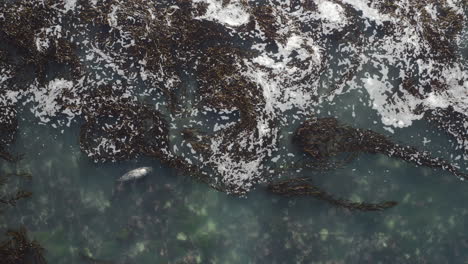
[[135, 174]]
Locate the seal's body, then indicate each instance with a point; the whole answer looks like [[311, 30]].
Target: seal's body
[[135, 174]]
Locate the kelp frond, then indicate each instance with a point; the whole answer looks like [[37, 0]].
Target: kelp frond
[[302, 187]]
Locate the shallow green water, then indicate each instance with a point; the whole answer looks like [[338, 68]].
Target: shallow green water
[[170, 218]]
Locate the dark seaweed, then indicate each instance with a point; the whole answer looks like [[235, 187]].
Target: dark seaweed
[[303, 187], [19, 249], [323, 138]]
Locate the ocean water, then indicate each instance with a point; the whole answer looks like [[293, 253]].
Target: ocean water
[[80, 214]]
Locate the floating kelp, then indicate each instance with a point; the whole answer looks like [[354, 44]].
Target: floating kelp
[[267, 62], [19, 249], [323, 138], [10, 199], [8, 130], [30, 28], [115, 132], [162, 39], [445, 23], [211, 89], [302, 187], [452, 123]]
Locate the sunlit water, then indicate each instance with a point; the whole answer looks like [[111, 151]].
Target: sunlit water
[[77, 208]]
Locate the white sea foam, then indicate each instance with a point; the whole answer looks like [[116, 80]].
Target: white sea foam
[[287, 76], [233, 14]]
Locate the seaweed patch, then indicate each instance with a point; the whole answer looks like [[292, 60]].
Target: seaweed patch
[[210, 87]]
